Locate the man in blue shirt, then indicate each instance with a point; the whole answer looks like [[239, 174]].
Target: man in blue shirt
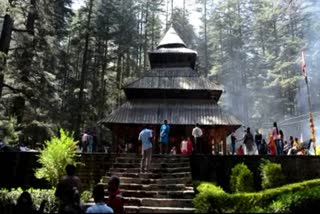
[[145, 137], [100, 206], [164, 137]]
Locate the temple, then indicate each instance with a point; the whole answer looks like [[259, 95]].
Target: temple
[[172, 90]]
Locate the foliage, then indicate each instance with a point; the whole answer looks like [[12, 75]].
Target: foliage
[[8, 198], [86, 195], [212, 199], [203, 203], [12, 136], [306, 200], [58, 152], [241, 179], [271, 174]]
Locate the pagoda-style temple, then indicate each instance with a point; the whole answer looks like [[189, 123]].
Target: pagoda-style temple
[[172, 90]]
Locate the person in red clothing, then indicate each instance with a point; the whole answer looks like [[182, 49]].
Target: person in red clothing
[[115, 200], [240, 151]]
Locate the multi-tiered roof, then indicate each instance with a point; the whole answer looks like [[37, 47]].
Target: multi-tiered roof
[[172, 90]]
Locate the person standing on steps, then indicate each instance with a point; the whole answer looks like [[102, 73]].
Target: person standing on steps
[[164, 137], [197, 134], [145, 137], [115, 199]]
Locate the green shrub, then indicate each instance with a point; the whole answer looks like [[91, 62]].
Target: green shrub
[[8, 199], [58, 152], [204, 203], [241, 179], [288, 198], [271, 174]]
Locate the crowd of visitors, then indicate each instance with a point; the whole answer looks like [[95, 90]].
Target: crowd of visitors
[[88, 142], [68, 192], [277, 144]]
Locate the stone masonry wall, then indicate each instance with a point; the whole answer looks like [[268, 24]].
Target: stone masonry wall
[[218, 168], [17, 168]]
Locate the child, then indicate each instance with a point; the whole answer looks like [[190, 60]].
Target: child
[[115, 200]]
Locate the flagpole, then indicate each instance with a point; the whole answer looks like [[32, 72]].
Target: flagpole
[[304, 71], [313, 137]]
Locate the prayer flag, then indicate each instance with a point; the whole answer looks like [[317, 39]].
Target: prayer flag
[[304, 65]]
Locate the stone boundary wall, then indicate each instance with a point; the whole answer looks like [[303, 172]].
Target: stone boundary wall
[[17, 169], [218, 168]]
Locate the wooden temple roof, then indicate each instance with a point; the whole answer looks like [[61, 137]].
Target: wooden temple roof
[[177, 112], [172, 90]]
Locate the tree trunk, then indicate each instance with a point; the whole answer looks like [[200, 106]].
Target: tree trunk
[[4, 46], [83, 72]]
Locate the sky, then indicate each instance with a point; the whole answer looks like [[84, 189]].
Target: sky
[[194, 16]]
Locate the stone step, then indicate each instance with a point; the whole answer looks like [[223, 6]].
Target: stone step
[[153, 165], [183, 180], [160, 202], [163, 187], [154, 160], [181, 194], [144, 209], [152, 170], [151, 175]]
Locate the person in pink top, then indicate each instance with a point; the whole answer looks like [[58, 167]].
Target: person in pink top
[[276, 137]]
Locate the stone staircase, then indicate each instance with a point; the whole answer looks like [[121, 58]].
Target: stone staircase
[[167, 188]]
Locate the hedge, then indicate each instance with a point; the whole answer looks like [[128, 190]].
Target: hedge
[[8, 199], [212, 199]]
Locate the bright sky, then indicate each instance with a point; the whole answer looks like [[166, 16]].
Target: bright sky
[[194, 16]]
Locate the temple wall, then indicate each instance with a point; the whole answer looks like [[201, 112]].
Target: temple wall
[[218, 168], [17, 168]]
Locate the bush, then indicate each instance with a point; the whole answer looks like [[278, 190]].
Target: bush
[[271, 175], [203, 201], [8, 199], [306, 200], [12, 136], [241, 179], [292, 197], [58, 152]]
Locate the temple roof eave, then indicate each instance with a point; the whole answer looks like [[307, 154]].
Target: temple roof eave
[[177, 112]]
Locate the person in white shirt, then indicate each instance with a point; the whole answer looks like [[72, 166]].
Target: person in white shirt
[[197, 134], [145, 137]]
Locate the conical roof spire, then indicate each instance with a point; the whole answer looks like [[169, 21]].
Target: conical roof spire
[[171, 40]]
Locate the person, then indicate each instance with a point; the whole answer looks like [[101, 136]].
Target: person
[[90, 142], [100, 205], [240, 150], [115, 199], [84, 141], [197, 134], [248, 141], [189, 146], [258, 140], [281, 141], [272, 146], [164, 137], [276, 137], [286, 147], [68, 187], [145, 137], [184, 147], [263, 147], [173, 150], [233, 143], [25, 204]]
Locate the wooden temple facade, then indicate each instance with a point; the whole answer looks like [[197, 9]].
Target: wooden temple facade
[[172, 90]]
